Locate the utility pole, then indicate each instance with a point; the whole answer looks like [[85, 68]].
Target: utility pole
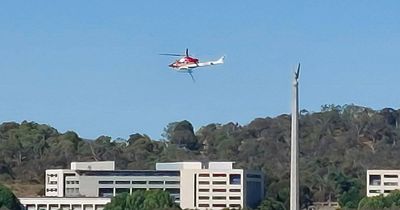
[[294, 155]]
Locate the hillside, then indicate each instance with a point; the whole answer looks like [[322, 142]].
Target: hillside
[[337, 145]]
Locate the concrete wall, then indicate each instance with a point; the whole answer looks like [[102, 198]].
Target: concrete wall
[[55, 182], [98, 165], [177, 166]]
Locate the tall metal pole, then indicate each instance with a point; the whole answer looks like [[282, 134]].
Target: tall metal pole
[[294, 156]]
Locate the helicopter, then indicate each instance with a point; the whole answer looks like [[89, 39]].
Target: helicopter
[[186, 64]]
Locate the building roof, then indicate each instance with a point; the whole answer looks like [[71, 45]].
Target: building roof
[[127, 173]]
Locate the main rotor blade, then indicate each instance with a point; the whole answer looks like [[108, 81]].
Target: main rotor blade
[[187, 52], [171, 54]]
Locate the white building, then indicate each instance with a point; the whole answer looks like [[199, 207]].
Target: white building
[[56, 203], [215, 185], [382, 182]]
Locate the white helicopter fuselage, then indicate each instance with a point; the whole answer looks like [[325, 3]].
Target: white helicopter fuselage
[[187, 68]]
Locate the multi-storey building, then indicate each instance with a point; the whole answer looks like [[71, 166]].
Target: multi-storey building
[[382, 182], [215, 185]]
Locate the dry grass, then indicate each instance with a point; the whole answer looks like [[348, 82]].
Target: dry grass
[[25, 189]]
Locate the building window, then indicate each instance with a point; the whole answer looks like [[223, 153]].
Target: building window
[[171, 182], [390, 183], [156, 182], [204, 198], [219, 205], [219, 175], [219, 198], [121, 190], [374, 191], [173, 190], [204, 182], [138, 182], [204, 205], [176, 197], [234, 198], [375, 180], [138, 189], [122, 182], [388, 191], [234, 190], [219, 183], [204, 190], [106, 182], [219, 190], [106, 192], [154, 187], [235, 205], [255, 176], [129, 173], [234, 179], [51, 180], [204, 175], [51, 189], [75, 190], [390, 176], [72, 182]]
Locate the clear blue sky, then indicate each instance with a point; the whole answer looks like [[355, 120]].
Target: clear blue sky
[[92, 66]]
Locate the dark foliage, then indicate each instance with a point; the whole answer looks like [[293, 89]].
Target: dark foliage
[[337, 146], [389, 202], [143, 200], [8, 199]]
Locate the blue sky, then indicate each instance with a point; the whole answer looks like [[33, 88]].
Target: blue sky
[[93, 66]]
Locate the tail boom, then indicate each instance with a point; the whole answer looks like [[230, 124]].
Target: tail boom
[[210, 63]]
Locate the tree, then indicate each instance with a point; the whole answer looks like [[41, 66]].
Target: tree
[[8, 199], [345, 139], [389, 202], [143, 200], [181, 133], [270, 204], [349, 191]]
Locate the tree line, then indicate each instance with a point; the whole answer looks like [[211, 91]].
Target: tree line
[[337, 145]]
